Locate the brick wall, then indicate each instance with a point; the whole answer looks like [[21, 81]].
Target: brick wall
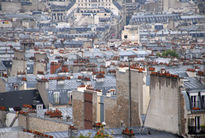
[[88, 112], [54, 67], [84, 109]]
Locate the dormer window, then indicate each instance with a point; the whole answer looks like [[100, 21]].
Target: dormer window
[[203, 101], [194, 101], [56, 96]]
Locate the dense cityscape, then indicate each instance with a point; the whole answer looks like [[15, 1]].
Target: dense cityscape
[[102, 68]]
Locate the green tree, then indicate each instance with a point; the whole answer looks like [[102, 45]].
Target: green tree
[[81, 136], [170, 53], [158, 54]]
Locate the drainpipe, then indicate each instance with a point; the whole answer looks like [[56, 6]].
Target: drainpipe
[[130, 98]]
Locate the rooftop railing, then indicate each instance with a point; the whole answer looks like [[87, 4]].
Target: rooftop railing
[[196, 129]]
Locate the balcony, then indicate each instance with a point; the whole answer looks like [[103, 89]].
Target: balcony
[[198, 106], [196, 130]]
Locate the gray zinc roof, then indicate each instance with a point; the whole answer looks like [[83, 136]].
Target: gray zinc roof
[[193, 83], [117, 133], [2, 67]]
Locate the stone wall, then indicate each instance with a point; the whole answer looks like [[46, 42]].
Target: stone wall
[[117, 110], [39, 67], [2, 85], [16, 134], [81, 109], [42, 125], [164, 111], [136, 96], [182, 113], [78, 109], [40, 63], [25, 135], [76, 68], [39, 56], [42, 88], [87, 44], [2, 119], [94, 106], [111, 112], [10, 7], [18, 63], [9, 118]]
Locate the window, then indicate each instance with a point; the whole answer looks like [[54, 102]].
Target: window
[[197, 122], [203, 100], [69, 94], [56, 96], [194, 101], [191, 122]]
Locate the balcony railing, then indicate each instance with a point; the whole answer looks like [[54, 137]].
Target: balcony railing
[[196, 130], [197, 106]]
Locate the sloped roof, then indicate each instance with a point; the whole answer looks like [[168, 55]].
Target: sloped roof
[[117, 133], [18, 98], [193, 83], [2, 66], [117, 4]]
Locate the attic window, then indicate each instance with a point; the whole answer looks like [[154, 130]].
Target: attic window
[[125, 36], [185, 80]]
